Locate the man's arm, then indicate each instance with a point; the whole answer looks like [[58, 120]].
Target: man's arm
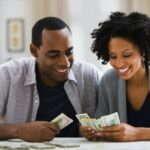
[[7, 131], [38, 131]]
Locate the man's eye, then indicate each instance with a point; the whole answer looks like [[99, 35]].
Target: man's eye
[[52, 54]]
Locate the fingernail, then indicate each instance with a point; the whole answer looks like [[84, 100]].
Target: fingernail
[[93, 131], [89, 128], [98, 134]]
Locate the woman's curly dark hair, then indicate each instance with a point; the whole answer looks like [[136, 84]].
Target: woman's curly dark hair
[[134, 27]]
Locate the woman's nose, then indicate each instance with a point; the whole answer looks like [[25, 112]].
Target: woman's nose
[[119, 62]]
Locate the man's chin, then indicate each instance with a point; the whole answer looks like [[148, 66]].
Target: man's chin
[[63, 78]]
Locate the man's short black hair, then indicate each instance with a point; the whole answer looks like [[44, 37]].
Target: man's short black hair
[[134, 27], [49, 23]]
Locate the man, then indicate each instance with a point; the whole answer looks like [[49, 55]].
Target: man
[[35, 91]]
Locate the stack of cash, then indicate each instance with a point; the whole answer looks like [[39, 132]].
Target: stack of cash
[[97, 124], [62, 120]]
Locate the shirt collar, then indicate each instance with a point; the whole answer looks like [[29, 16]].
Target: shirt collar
[[31, 75], [71, 76]]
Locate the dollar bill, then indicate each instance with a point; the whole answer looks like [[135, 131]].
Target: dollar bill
[[38, 147], [110, 120], [85, 120], [97, 124], [62, 145], [13, 148], [42, 147], [82, 118], [62, 120]]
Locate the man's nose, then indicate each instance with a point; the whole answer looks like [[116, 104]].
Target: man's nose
[[64, 61]]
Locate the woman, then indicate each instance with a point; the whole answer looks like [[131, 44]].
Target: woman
[[124, 41]]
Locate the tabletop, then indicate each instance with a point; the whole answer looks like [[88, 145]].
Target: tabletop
[[73, 144]]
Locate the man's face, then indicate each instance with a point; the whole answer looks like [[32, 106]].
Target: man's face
[[55, 56]]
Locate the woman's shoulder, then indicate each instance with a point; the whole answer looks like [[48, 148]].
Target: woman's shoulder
[[110, 75]]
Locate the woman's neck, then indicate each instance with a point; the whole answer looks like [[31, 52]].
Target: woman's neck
[[140, 78]]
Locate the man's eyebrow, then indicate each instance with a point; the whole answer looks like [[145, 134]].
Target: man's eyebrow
[[57, 51]]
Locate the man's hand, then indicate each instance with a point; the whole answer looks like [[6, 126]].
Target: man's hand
[[37, 131]]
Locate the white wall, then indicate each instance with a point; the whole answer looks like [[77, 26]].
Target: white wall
[[81, 15], [85, 19], [28, 10], [10, 9]]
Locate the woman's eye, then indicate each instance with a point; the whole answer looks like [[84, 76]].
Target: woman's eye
[[69, 53], [127, 55]]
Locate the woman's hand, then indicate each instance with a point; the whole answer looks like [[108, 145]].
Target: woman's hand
[[88, 133], [123, 132]]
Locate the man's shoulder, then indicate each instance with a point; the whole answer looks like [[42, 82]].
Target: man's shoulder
[[84, 71], [15, 65], [85, 67]]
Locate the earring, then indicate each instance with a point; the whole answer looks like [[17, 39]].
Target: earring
[[143, 60]]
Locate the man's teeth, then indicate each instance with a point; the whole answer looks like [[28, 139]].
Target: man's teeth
[[123, 70], [62, 70]]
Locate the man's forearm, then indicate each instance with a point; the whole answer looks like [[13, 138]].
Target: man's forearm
[[37, 131], [8, 131]]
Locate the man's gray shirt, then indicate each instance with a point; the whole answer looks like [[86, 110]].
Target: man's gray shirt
[[19, 99]]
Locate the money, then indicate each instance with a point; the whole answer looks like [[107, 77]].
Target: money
[[62, 120], [62, 145], [42, 147], [97, 124], [38, 147], [13, 148], [110, 120], [85, 120], [82, 118]]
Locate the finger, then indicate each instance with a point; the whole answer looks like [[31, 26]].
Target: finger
[[111, 136], [89, 134], [54, 127], [119, 127], [91, 137], [85, 128], [49, 134], [112, 128]]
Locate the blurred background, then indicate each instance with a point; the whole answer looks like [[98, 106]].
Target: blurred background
[[18, 16]]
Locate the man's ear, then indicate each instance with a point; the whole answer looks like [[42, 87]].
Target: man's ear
[[33, 50]]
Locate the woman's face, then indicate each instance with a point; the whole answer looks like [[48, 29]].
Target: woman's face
[[125, 57]]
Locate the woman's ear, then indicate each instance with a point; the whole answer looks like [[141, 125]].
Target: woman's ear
[[33, 50]]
